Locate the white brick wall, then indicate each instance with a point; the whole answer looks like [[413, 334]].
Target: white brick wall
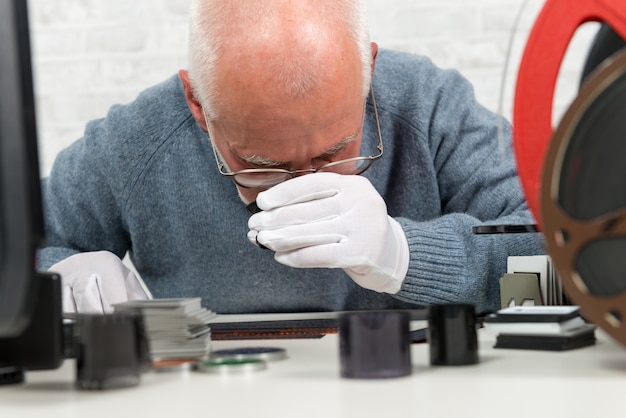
[[89, 54]]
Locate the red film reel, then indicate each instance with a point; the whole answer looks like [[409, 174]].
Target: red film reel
[[536, 81]]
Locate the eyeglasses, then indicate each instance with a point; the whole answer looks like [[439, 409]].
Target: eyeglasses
[[264, 178]]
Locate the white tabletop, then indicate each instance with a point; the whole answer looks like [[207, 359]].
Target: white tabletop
[[506, 383]]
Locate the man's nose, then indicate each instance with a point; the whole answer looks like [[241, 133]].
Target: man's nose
[[305, 167]]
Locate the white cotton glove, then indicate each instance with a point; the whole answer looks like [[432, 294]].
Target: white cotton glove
[[334, 221], [94, 281]]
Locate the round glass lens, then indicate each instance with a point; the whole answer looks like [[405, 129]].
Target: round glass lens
[[261, 180], [356, 166]]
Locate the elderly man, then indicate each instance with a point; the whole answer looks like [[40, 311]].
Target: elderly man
[[368, 169]]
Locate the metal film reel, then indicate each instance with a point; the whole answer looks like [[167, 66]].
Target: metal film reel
[[583, 198]]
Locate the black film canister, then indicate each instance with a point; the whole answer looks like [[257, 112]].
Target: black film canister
[[253, 208], [111, 351], [452, 335], [11, 374], [374, 344]]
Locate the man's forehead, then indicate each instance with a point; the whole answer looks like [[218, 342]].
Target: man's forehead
[[269, 161], [262, 123], [327, 115]]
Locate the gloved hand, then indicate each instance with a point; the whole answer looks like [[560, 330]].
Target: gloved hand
[[334, 221], [94, 281]]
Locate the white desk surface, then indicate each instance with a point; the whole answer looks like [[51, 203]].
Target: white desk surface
[[585, 382]]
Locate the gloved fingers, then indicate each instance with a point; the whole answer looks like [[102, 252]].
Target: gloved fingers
[[87, 296], [300, 214], [69, 305], [95, 281], [134, 288], [117, 279], [299, 189], [308, 226], [252, 237], [351, 196], [96, 295], [375, 280], [118, 284], [109, 296], [72, 269], [319, 256], [282, 243], [299, 236]]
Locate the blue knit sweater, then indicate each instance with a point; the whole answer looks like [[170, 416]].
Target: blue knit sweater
[[143, 180]]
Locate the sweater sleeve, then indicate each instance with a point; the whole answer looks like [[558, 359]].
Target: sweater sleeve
[[88, 195], [76, 218], [474, 167]]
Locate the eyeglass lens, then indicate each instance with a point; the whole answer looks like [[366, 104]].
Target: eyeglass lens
[[265, 179]]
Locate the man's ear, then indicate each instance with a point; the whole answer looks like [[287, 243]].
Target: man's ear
[[194, 105], [374, 55]]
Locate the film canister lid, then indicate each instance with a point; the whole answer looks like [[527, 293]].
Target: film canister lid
[[226, 366], [261, 353], [374, 344]]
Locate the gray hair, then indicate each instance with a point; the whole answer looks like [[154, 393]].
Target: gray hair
[[210, 21]]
